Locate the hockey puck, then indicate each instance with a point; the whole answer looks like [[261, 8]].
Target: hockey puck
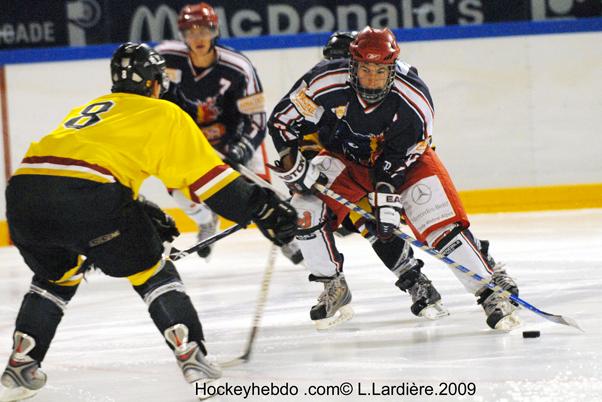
[[531, 334]]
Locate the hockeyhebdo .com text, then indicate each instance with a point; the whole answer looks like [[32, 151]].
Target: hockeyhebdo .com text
[[347, 388]]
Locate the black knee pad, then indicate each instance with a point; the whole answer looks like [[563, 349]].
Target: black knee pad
[[167, 274], [393, 252], [41, 313], [168, 303], [64, 292]]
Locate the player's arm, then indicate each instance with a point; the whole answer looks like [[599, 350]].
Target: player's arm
[[190, 164], [249, 101], [403, 145]]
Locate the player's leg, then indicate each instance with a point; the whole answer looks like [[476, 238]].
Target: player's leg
[[32, 205], [257, 164], [318, 218], [176, 319], [40, 314], [206, 220], [323, 260], [398, 257], [137, 255], [434, 211], [460, 245]]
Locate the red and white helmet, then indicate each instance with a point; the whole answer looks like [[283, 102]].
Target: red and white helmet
[[198, 15], [378, 46]]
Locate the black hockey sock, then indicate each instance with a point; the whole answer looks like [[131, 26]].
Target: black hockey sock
[[392, 253], [41, 312], [168, 304], [176, 308]]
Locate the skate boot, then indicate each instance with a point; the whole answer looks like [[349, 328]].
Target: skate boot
[[500, 311], [22, 377], [197, 369], [292, 252], [333, 304], [206, 230], [426, 300]]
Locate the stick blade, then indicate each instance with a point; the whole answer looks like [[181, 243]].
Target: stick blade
[[558, 319], [235, 362]]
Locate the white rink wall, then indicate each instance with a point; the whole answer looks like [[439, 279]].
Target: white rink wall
[[510, 112]]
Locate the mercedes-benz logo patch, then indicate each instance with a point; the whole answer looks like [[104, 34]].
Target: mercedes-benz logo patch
[[421, 194]]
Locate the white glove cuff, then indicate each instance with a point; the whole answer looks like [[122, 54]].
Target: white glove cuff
[[385, 200], [389, 216], [296, 172]]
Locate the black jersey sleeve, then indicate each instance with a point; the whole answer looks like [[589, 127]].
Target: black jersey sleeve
[[297, 113], [246, 99]]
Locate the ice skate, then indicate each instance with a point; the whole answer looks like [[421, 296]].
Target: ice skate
[[22, 377], [292, 252], [206, 230], [333, 304], [501, 312], [426, 300], [197, 369]]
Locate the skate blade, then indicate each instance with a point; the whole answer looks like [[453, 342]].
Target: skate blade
[[199, 385], [345, 313], [434, 311], [17, 394], [509, 323]]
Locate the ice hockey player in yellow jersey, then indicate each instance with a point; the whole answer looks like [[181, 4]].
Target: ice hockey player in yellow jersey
[[75, 194]]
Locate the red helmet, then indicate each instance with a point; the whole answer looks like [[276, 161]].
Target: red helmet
[[201, 14], [377, 46]]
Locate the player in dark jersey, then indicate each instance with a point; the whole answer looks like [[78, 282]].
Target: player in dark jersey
[[219, 88], [75, 195], [374, 118], [396, 254]]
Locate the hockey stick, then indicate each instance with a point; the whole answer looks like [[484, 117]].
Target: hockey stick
[[175, 254], [251, 175], [558, 319], [259, 307]]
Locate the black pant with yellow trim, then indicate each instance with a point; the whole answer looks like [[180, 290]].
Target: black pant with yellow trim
[[54, 221]]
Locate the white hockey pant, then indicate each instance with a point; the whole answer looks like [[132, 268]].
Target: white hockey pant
[[315, 241]]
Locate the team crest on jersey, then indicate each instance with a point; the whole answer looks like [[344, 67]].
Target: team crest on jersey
[[340, 111], [174, 75], [208, 111], [376, 146]]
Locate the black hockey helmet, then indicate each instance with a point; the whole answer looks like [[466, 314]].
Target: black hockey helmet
[[134, 67], [338, 45]]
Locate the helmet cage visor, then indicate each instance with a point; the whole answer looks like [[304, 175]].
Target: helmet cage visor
[[370, 95]]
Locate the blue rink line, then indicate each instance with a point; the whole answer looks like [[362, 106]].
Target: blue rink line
[[314, 40]]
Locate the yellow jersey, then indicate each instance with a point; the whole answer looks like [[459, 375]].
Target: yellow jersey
[[126, 138]]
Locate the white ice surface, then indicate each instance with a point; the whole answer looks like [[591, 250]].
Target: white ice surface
[[107, 349]]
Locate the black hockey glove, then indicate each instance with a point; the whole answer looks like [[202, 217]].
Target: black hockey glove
[[163, 223], [276, 219], [241, 152], [387, 208]]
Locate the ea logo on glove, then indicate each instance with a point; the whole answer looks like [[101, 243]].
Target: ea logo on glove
[[421, 194]]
